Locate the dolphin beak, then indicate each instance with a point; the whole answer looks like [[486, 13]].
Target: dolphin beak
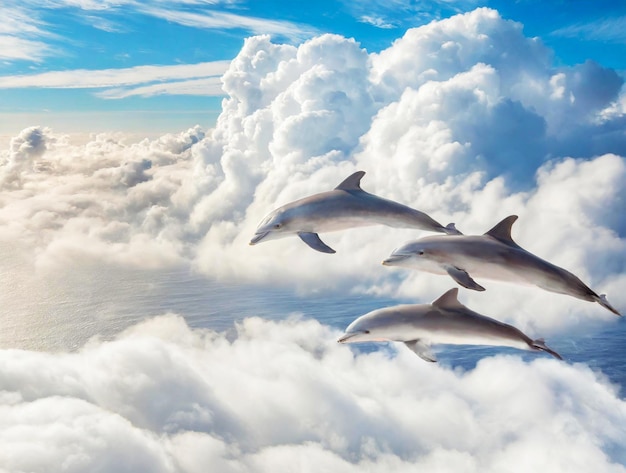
[[394, 259], [258, 237], [345, 337]]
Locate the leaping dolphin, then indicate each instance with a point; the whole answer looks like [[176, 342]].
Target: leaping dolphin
[[346, 206], [493, 255], [445, 321]]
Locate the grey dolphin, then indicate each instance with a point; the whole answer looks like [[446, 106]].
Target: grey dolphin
[[493, 255], [346, 206], [445, 321]]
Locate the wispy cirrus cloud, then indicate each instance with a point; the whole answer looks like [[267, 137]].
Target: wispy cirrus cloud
[[21, 36], [225, 20], [604, 29], [401, 13], [376, 21], [202, 78], [205, 86]]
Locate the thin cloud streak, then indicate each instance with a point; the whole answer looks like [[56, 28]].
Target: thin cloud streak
[[384, 14], [20, 36], [606, 29], [222, 20], [94, 79], [13, 48], [376, 21], [211, 86]]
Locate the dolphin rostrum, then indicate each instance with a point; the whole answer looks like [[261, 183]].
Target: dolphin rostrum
[[493, 255], [444, 321], [346, 206]]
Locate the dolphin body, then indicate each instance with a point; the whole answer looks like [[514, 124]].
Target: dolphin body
[[444, 321], [344, 207], [493, 255]]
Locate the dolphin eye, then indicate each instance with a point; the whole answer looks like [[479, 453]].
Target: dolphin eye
[[277, 226], [420, 252]]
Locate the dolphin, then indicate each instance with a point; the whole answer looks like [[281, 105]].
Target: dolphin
[[444, 321], [346, 206], [493, 255]]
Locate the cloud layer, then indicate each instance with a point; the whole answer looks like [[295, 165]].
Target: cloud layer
[[466, 119], [279, 396]]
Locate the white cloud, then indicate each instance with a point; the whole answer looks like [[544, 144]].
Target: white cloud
[[441, 130], [101, 198], [209, 86], [395, 13], [445, 120], [94, 79], [603, 29], [225, 20], [22, 35], [163, 398], [181, 79], [376, 21]]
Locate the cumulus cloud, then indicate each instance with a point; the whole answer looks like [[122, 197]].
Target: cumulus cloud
[[466, 119], [449, 121], [282, 395], [104, 199]]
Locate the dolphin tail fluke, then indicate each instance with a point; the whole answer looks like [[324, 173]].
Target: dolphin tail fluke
[[540, 344], [451, 229], [605, 303]]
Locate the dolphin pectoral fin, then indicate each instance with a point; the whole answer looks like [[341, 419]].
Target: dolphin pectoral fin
[[464, 279], [422, 350], [314, 241]]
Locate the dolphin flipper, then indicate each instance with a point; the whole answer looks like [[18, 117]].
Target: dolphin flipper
[[464, 279], [314, 241], [422, 350]]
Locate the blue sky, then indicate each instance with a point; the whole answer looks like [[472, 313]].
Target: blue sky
[[97, 65]]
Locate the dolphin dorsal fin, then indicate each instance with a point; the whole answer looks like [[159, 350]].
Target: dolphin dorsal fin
[[448, 300], [352, 182], [502, 230]]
